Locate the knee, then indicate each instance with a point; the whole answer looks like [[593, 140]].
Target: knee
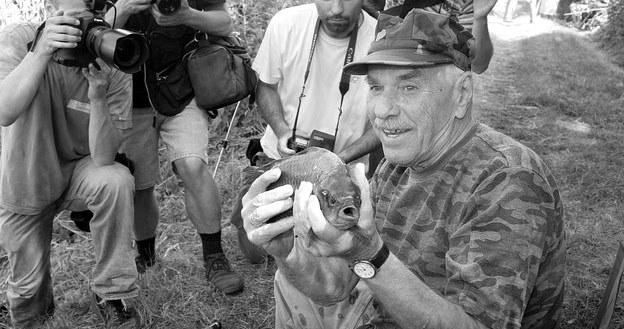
[[189, 167], [193, 171], [115, 177]]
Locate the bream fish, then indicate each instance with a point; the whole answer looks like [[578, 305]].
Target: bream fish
[[338, 196]]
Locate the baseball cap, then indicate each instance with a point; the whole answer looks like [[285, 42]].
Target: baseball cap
[[422, 38]]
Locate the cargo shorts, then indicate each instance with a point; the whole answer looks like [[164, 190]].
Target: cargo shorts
[[184, 135]]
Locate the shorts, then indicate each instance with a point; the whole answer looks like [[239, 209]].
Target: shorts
[[185, 135]]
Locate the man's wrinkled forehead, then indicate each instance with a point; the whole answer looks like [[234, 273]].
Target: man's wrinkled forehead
[[399, 73]]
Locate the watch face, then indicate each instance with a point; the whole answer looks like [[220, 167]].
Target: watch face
[[364, 269]]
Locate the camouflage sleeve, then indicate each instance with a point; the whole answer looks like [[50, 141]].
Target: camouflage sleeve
[[495, 253]]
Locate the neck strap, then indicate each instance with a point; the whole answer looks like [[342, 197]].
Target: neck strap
[[344, 80]]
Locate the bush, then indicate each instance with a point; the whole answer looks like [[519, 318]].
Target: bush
[[612, 34]]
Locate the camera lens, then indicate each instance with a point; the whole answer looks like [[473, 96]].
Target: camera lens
[[126, 53], [168, 7], [125, 50]]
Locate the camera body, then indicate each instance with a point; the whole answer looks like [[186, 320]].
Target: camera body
[[122, 49], [317, 139], [167, 7], [298, 143]]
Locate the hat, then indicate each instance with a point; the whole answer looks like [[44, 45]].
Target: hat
[[422, 38]]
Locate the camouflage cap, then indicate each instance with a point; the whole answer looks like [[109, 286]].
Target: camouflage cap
[[423, 38]]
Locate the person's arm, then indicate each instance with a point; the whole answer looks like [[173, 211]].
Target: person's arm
[[19, 87], [272, 112], [104, 137], [361, 147], [484, 50], [213, 20], [509, 221], [123, 10]]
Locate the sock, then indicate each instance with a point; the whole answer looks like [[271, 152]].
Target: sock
[[211, 243], [146, 248]]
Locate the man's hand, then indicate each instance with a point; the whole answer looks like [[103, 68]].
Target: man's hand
[[131, 7], [282, 146], [98, 80], [482, 8], [360, 242], [180, 17], [59, 32], [259, 205]]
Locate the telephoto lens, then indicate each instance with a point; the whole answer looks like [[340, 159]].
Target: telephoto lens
[[119, 48], [167, 7]]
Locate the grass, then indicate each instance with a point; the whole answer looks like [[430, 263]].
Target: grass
[[550, 90], [555, 93]]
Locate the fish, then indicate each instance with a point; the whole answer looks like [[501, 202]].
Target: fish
[[325, 280], [338, 195]]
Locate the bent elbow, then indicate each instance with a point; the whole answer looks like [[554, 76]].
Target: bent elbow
[[6, 120], [101, 161]]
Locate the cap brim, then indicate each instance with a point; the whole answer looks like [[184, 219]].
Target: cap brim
[[395, 57]]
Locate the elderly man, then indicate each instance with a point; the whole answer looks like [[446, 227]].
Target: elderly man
[[460, 227], [61, 129]]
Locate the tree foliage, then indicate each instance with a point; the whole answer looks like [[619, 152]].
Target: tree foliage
[[612, 34]]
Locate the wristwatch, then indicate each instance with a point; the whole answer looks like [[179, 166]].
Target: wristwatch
[[367, 269]]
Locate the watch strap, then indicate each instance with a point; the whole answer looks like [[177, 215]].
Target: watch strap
[[380, 257]]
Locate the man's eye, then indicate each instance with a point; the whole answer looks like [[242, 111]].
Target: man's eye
[[409, 88], [376, 89]]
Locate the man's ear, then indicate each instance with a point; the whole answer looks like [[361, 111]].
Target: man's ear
[[463, 94]]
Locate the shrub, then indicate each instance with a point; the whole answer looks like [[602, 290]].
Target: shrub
[[612, 34]]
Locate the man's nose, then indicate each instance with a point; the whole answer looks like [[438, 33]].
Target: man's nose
[[385, 105], [336, 8]]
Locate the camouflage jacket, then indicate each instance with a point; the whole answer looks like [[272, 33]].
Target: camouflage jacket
[[484, 229]]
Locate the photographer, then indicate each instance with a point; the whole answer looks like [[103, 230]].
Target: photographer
[[62, 128], [184, 134]]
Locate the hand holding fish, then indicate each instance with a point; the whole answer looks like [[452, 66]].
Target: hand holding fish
[[260, 205], [359, 242]]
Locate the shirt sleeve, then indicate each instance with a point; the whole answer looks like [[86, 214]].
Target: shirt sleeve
[[119, 99], [14, 39], [268, 61], [495, 254]]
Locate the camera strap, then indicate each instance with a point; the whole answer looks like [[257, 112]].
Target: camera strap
[[344, 80], [31, 45]]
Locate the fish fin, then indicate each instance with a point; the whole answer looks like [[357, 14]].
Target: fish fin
[[250, 174]]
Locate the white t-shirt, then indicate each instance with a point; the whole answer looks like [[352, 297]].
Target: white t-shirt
[[282, 59]]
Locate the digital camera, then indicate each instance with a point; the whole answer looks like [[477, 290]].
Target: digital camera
[[119, 48], [167, 7], [317, 139], [297, 143]]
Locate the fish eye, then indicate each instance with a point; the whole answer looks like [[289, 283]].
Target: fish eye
[[331, 200]]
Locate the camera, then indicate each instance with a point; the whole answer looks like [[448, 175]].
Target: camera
[[317, 139], [297, 143], [167, 7], [122, 49]]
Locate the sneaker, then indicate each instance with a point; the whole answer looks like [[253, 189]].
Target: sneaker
[[143, 262], [115, 313], [220, 273]]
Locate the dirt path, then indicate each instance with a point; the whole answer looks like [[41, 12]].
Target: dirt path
[[496, 87]]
